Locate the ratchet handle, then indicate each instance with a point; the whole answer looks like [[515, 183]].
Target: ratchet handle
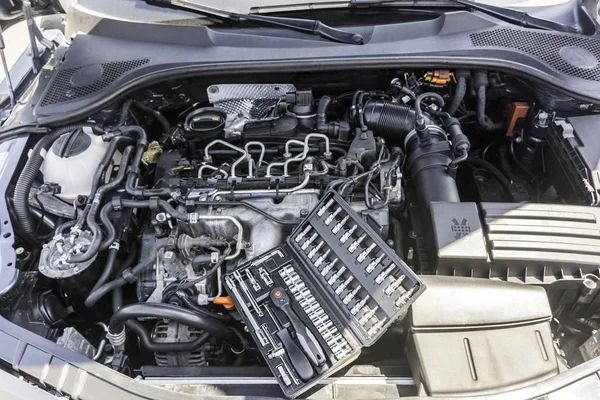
[[307, 340], [297, 357]]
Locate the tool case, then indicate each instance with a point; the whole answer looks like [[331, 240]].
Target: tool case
[[311, 304]]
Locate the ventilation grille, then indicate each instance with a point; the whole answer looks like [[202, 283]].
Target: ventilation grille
[[545, 46], [61, 88]]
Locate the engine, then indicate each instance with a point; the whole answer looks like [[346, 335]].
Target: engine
[[143, 212]]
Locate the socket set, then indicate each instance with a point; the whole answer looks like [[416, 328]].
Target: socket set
[[314, 302]]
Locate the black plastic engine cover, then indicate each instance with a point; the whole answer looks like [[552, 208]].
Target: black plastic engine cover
[[522, 242]]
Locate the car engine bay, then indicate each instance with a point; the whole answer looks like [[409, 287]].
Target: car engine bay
[[481, 187]]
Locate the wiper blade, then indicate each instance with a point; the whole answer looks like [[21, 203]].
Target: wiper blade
[[305, 25], [518, 17]]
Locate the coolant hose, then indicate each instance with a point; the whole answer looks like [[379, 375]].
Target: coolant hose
[[124, 112], [30, 171], [106, 161], [134, 170], [111, 232], [340, 129], [92, 211], [109, 268], [155, 113], [150, 345], [174, 313], [322, 107], [129, 275]]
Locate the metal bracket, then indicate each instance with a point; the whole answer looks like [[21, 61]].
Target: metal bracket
[[35, 33]]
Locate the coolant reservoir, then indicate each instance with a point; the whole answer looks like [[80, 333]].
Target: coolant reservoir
[[71, 163]]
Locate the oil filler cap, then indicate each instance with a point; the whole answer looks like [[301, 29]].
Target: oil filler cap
[[208, 122]]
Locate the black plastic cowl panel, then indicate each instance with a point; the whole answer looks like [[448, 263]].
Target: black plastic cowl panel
[[78, 82], [574, 55], [184, 51]]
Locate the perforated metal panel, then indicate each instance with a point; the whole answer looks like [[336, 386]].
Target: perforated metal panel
[[62, 89], [576, 56], [253, 100]]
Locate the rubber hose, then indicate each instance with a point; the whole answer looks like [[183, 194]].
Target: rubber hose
[[459, 95], [482, 119], [418, 110], [117, 294], [117, 299], [65, 225], [130, 184], [105, 162], [162, 204], [188, 302], [102, 190], [11, 132], [111, 232], [322, 125], [155, 113], [174, 313], [134, 273], [124, 112], [28, 174], [108, 270], [478, 162], [98, 195], [150, 345], [97, 244], [113, 184], [103, 290]]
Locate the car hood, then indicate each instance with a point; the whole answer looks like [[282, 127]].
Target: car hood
[[567, 12]]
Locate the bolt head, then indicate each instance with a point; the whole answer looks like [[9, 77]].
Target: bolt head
[[589, 283]]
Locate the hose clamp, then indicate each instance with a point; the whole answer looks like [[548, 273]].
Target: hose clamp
[[117, 340], [117, 204], [128, 276], [153, 203]]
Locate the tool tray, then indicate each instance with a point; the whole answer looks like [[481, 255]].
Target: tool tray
[[345, 285]]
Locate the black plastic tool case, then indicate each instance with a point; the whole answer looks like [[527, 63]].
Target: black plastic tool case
[[323, 268]]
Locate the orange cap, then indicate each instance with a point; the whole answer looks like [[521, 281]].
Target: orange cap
[[225, 301]]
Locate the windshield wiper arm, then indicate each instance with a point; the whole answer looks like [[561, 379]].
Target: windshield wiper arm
[[518, 17], [305, 25]]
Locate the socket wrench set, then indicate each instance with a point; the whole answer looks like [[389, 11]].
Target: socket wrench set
[[314, 302]]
